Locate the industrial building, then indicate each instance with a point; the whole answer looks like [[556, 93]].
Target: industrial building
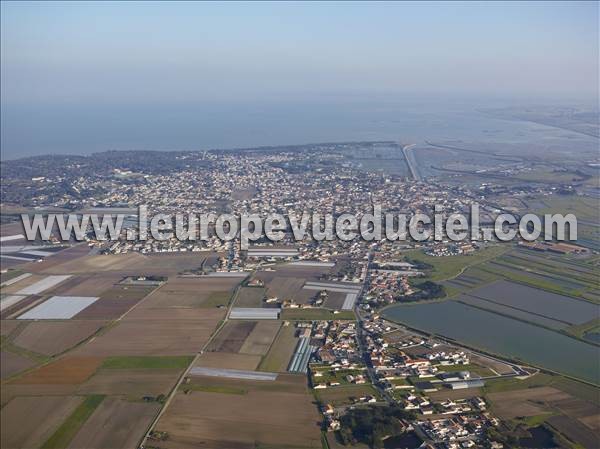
[[243, 313]]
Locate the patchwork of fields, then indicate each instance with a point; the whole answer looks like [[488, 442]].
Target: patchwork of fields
[[278, 413], [97, 375], [87, 360]]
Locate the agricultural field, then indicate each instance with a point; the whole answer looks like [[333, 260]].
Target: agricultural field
[[288, 288], [445, 393], [240, 345], [65, 371], [151, 363], [335, 300], [29, 421], [70, 427], [10, 275], [583, 207], [9, 326], [97, 377], [12, 363], [131, 264], [148, 331], [194, 292], [345, 394], [115, 423], [22, 284], [278, 357], [132, 384], [57, 259], [472, 277], [229, 360], [569, 406], [449, 267], [207, 409], [54, 337], [231, 337], [560, 274], [88, 285], [251, 297], [261, 338], [324, 374], [115, 302], [286, 281], [473, 368]]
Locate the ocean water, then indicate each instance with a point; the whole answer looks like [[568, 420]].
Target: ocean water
[[84, 129]]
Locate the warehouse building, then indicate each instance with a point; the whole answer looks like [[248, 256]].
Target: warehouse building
[[243, 313]]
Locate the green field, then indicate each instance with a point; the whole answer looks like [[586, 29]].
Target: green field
[[328, 375], [580, 329], [250, 297], [584, 208], [213, 389], [512, 383], [400, 382], [548, 272], [451, 266], [476, 369], [65, 433], [344, 394], [573, 387], [147, 362], [6, 344], [10, 274], [217, 299], [280, 351]]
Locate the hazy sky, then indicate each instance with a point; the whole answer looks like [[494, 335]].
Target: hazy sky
[[85, 55], [185, 51]]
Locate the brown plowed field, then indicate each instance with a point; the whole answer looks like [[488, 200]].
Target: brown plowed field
[[268, 415], [156, 332], [115, 424], [67, 370], [11, 363], [232, 336], [54, 337], [27, 422], [8, 326], [114, 303], [88, 285], [260, 339], [130, 382]]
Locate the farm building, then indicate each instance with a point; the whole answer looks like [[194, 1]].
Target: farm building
[[461, 385], [243, 313], [272, 252], [351, 291], [231, 373], [312, 263]]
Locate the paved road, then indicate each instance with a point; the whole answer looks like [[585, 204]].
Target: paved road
[[360, 337], [184, 374], [411, 161]]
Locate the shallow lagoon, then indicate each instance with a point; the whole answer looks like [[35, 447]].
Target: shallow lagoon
[[504, 336]]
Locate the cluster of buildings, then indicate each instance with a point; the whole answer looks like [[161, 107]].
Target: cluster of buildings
[[403, 367], [387, 286], [403, 378], [340, 348], [285, 182], [458, 432]]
